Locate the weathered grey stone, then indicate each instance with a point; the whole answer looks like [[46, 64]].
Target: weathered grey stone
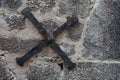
[[53, 57], [75, 7], [44, 72], [103, 31], [50, 25], [15, 21], [16, 45], [68, 48], [94, 71], [75, 32], [43, 5], [5, 73], [100, 41], [10, 4], [3, 23]]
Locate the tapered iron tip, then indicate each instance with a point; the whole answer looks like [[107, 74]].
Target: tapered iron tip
[[19, 62]]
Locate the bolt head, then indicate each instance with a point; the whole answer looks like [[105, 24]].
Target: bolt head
[[50, 38]]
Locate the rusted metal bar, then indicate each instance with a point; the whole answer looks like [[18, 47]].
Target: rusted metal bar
[[49, 40], [65, 26], [57, 49], [32, 52], [38, 25]]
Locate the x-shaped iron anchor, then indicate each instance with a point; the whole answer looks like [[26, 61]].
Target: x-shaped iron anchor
[[49, 39]]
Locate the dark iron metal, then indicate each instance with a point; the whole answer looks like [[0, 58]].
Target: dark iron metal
[[57, 49], [49, 40], [29, 15], [39, 47]]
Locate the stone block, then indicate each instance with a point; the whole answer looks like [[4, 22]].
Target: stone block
[[44, 72], [94, 71], [10, 4], [15, 21], [5, 73], [75, 7], [18, 46], [42, 5], [75, 32], [101, 39]]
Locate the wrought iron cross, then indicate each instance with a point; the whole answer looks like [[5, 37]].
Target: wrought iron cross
[[49, 39]]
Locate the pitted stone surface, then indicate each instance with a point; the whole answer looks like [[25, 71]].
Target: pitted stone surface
[[16, 45], [98, 38], [75, 7], [94, 71], [15, 21], [5, 73], [44, 72], [42, 5], [50, 25], [75, 32], [3, 23], [103, 31], [10, 4], [68, 48]]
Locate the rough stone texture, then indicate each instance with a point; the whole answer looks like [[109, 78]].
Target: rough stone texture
[[10, 4], [75, 32], [43, 5], [5, 73], [75, 7], [44, 72], [15, 21], [103, 31], [50, 25], [3, 23], [96, 36], [18, 46], [67, 48], [94, 71]]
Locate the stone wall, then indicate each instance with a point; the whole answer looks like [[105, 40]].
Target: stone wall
[[93, 44]]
